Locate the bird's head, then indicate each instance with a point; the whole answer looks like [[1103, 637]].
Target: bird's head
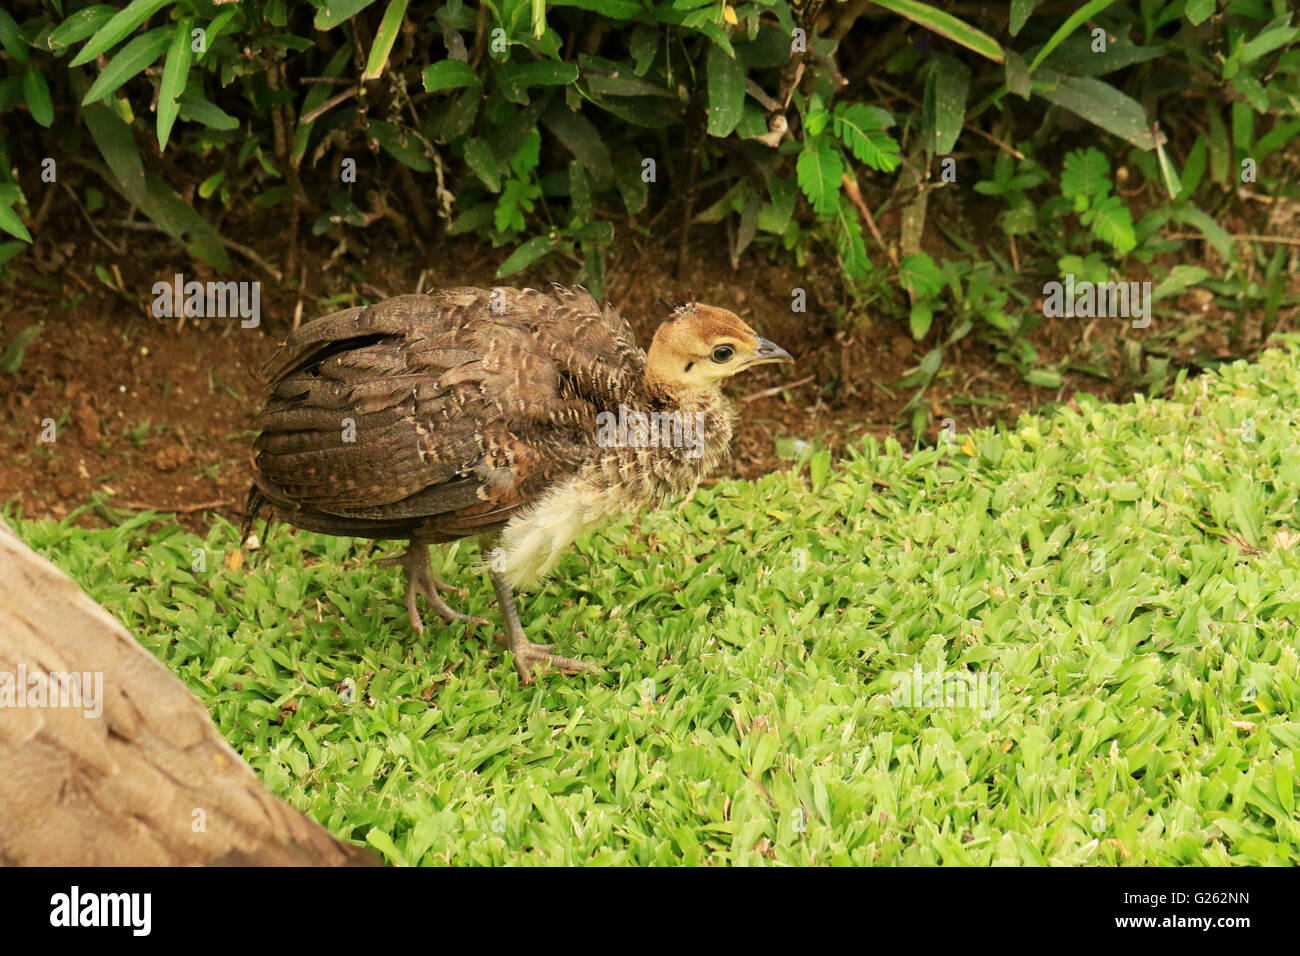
[[700, 346]]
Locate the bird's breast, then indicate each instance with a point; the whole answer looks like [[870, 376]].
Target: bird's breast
[[638, 461]]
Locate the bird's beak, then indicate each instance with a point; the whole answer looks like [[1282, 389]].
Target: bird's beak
[[768, 352]]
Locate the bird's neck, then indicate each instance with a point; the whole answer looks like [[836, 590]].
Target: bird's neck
[[672, 395]]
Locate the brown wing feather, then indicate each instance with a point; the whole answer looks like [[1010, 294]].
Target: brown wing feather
[[438, 416]]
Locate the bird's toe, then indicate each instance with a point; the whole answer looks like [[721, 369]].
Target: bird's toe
[[529, 656]]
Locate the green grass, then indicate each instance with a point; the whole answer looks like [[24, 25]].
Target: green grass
[[1148, 696]]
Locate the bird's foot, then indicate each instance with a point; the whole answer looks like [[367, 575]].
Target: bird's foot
[[420, 580], [529, 655]]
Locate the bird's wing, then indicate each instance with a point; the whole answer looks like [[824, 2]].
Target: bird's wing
[[437, 415]]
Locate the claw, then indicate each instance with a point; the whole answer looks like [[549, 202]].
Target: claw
[[529, 655], [422, 581]]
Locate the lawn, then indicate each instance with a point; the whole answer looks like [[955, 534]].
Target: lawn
[[1100, 604]]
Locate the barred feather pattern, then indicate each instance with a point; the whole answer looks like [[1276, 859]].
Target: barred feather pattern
[[467, 411]]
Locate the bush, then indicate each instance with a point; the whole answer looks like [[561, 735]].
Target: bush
[[542, 126]]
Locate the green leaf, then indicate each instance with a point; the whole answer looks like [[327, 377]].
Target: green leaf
[[220, 24], [473, 219], [1126, 491], [78, 26], [1101, 104], [1266, 42], [9, 220], [1043, 378], [456, 118], [944, 108], [643, 46], [37, 96], [333, 12], [852, 248], [1216, 235], [210, 185], [1111, 222], [528, 155], [1281, 134], [530, 252], [384, 39], [117, 146], [627, 178], [1076, 56], [1018, 81], [376, 837], [448, 75], [861, 129], [513, 79], [1086, 12], [118, 26], [175, 74], [1252, 90], [196, 109], [11, 37], [919, 275], [614, 9], [479, 158], [1180, 278], [401, 145], [517, 198], [946, 25], [177, 218], [13, 354], [726, 92], [578, 136], [1194, 169], [920, 319], [1198, 11], [1085, 173], [134, 58], [1020, 13], [819, 171]]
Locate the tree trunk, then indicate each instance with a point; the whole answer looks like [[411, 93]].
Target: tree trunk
[[137, 777]]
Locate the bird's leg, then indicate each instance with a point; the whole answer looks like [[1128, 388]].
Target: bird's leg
[[527, 654], [420, 580]]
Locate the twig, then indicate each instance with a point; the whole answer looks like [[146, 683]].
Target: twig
[[777, 390], [302, 289], [328, 105], [793, 71], [90, 222], [179, 509], [855, 197], [1237, 237], [758, 93], [249, 254], [970, 125], [239, 247]]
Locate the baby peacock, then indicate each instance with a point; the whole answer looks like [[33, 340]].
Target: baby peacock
[[513, 415]]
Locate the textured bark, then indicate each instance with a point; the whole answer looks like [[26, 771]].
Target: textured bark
[[123, 788]]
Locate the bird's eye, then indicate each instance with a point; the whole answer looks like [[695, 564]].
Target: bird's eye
[[723, 353]]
